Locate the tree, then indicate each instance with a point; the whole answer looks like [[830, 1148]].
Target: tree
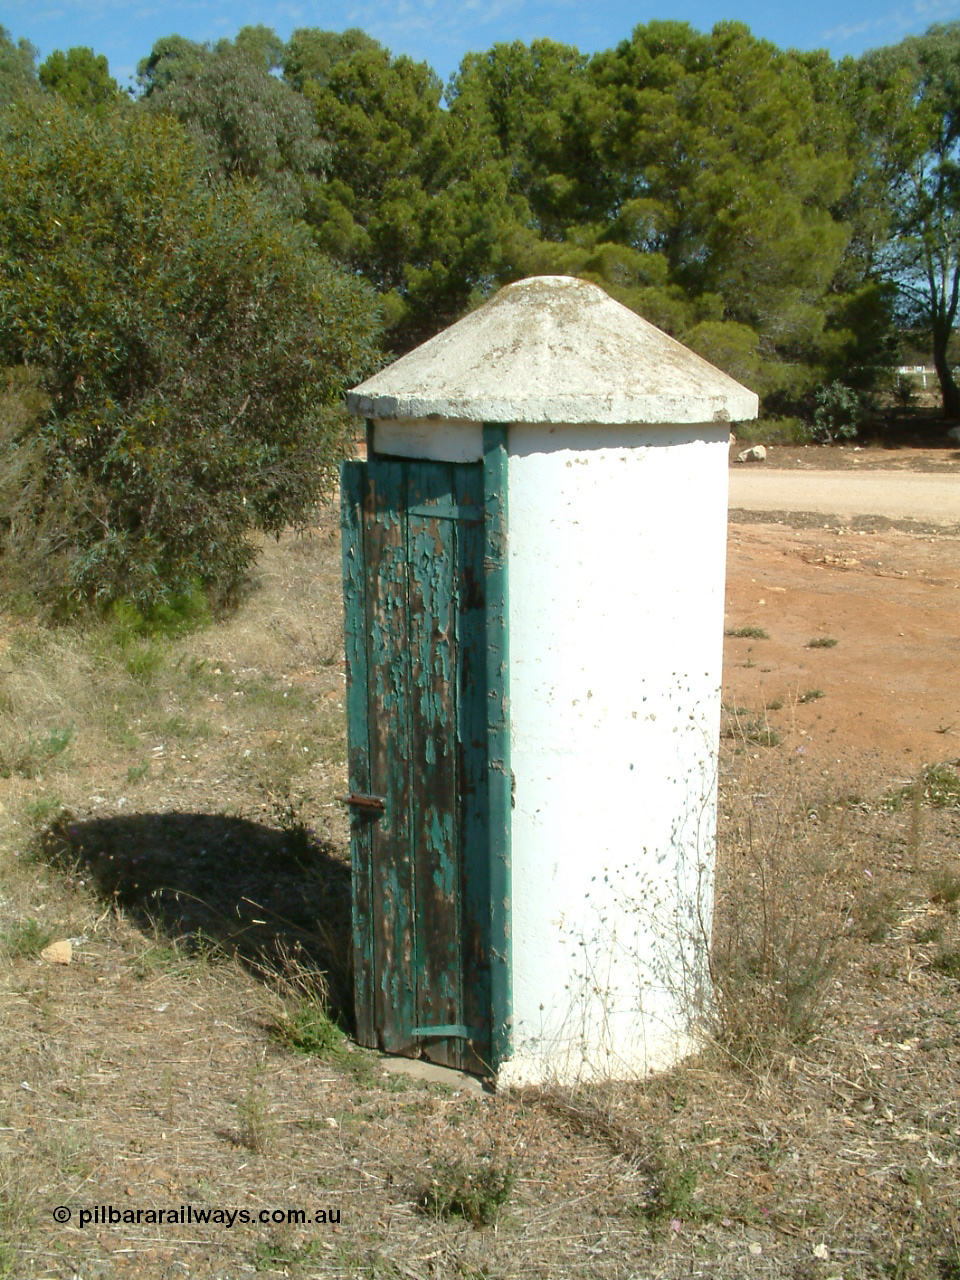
[[250, 124], [18, 72], [542, 110], [81, 78], [730, 162], [913, 91], [311, 54], [411, 200], [192, 345]]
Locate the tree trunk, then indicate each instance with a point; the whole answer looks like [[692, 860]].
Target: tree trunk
[[949, 391]]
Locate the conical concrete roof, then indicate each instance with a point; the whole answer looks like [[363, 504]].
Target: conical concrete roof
[[553, 349]]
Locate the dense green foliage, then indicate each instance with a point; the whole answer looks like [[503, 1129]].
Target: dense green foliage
[[81, 78], [191, 345]]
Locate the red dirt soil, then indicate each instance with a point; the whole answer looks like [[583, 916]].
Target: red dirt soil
[[890, 699]]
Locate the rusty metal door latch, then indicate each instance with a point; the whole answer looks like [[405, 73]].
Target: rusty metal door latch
[[365, 806]]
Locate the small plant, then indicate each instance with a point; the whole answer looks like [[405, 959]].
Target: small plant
[[306, 1027], [31, 757], [299, 840], [876, 913], [945, 887], [932, 933], [137, 772], [905, 392], [43, 811], [674, 1194], [775, 705], [838, 413], [254, 1125], [162, 957], [144, 660], [270, 1256], [822, 642], [743, 727], [811, 695], [475, 1191], [747, 633], [27, 938], [941, 786], [938, 785], [947, 963]]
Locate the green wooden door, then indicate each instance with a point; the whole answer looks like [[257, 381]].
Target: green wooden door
[[414, 589]]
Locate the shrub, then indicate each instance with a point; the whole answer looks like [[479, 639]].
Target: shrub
[[838, 413], [475, 1188], [192, 346]]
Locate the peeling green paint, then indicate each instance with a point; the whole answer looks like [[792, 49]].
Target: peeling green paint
[[416, 597]]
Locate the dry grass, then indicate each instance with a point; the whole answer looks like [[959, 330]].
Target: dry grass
[[817, 1135]]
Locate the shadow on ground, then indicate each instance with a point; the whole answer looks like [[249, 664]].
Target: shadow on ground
[[253, 891]]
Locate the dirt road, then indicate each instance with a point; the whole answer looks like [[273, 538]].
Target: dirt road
[[898, 495], [884, 699]]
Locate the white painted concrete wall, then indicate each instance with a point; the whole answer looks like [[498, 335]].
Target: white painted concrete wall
[[617, 539], [616, 578]]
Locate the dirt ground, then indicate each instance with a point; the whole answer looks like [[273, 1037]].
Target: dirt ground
[[148, 1073], [889, 696]]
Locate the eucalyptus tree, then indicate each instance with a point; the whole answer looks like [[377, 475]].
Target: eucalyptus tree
[[250, 123], [18, 68], [912, 92]]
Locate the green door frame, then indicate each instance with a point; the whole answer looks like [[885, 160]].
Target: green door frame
[[499, 773]]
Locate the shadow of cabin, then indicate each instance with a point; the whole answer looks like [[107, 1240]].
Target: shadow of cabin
[[252, 891]]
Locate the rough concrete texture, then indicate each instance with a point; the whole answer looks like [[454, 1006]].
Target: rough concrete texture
[[420, 1069], [553, 349]]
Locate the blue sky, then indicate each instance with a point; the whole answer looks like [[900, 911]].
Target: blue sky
[[441, 32]]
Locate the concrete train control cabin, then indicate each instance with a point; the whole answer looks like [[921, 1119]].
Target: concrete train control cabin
[[534, 576]]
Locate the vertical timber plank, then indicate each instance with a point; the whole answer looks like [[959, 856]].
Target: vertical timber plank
[[393, 899], [499, 776], [472, 767], [352, 484], [433, 698]]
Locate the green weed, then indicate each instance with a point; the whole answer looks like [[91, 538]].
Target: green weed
[[27, 937], [744, 727], [945, 887], [475, 1190], [270, 1256], [674, 1194], [253, 1119], [822, 642], [43, 811], [938, 785], [747, 633], [811, 695], [947, 963], [30, 758], [941, 786], [308, 1028]]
